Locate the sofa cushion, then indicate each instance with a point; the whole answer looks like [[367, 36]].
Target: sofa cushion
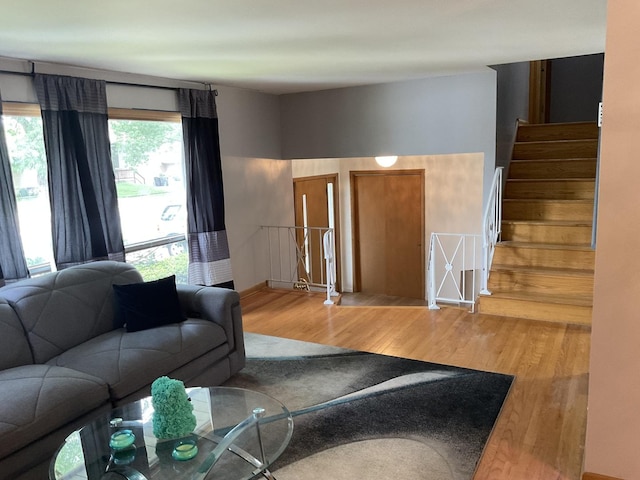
[[140, 306], [130, 361], [37, 399], [15, 349], [63, 309]]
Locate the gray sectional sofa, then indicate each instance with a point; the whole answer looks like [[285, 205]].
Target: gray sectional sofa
[[65, 356]]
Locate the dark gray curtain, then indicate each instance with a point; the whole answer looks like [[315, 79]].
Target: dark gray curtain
[[84, 205], [12, 263], [209, 262]]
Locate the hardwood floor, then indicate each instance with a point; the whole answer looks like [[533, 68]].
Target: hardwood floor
[[540, 432], [376, 300]]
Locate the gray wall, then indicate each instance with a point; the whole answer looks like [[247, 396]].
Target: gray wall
[[512, 104], [432, 116], [576, 88]]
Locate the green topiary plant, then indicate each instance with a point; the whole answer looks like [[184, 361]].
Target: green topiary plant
[[173, 412]]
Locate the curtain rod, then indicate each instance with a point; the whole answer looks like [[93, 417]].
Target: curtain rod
[[132, 84]]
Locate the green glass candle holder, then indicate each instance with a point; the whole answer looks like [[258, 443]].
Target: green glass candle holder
[[185, 450], [122, 439]]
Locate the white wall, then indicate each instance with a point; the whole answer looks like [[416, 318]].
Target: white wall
[[257, 184], [432, 116], [453, 195]]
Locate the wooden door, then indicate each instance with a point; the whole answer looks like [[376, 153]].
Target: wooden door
[[315, 191], [388, 232]]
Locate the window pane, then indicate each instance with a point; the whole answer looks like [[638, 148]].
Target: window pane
[[163, 261], [148, 165], [149, 169], [29, 170]]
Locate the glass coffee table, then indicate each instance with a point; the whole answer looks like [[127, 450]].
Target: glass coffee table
[[239, 433]]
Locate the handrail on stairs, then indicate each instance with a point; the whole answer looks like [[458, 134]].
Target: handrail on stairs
[[491, 229]]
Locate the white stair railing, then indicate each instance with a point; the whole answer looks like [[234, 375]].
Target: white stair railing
[[491, 228], [459, 264], [453, 267], [302, 258]]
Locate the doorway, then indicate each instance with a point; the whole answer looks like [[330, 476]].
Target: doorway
[[313, 192], [388, 232]]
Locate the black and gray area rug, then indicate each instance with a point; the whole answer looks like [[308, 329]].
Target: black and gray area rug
[[360, 415]]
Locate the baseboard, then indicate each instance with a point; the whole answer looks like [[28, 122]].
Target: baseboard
[[254, 289], [596, 476]]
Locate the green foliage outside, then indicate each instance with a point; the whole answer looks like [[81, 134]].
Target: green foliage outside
[[136, 190], [153, 269], [26, 148], [70, 457], [31, 262], [132, 141]]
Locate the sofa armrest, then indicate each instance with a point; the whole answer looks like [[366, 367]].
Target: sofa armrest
[[219, 305]]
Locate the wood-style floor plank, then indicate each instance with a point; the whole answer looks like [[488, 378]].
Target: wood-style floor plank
[[540, 432]]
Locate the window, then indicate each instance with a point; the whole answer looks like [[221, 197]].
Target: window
[[148, 162], [23, 129]]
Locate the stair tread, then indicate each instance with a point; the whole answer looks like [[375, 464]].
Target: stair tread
[[546, 246], [579, 300], [565, 272]]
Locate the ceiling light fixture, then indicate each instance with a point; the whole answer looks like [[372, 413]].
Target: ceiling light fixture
[[386, 161]]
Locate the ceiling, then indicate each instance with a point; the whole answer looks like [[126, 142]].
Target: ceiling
[[285, 46]]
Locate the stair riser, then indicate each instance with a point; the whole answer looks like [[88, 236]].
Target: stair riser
[[534, 283], [544, 258], [561, 149], [551, 132], [535, 311], [584, 168], [528, 210], [558, 234], [558, 190]]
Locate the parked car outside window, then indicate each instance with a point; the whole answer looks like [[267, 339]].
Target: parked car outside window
[[173, 221]]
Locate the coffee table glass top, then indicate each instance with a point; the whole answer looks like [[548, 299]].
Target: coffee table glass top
[[239, 433]]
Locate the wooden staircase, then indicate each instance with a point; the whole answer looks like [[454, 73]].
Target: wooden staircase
[[543, 267]]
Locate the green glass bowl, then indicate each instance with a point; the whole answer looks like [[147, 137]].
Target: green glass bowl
[[185, 450], [122, 439]]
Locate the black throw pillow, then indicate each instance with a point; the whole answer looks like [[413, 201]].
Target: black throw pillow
[[141, 306]]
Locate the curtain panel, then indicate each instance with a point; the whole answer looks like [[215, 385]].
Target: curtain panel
[[13, 265], [209, 261], [84, 204]]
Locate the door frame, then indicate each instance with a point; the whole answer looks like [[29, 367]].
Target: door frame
[[355, 228], [539, 91]]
